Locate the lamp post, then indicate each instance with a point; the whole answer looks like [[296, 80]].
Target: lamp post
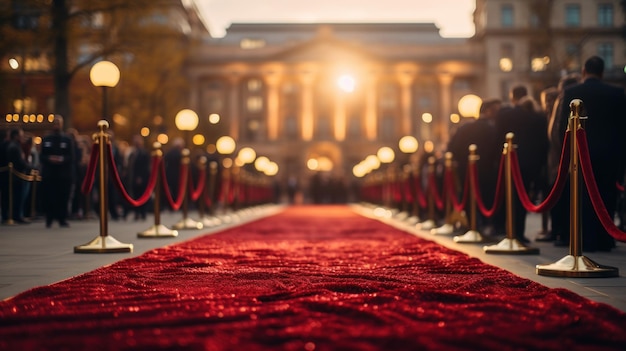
[[187, 120], [226, 145], [408, 145], [386, 155], [104, 74]]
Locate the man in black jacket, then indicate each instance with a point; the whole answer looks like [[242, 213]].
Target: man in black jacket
[[605, 108], [57, 173], [15, 156], [529, 129]]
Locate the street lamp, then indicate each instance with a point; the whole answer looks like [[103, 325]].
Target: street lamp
[[104, 74], [186, 120], [469, 105], [225, 145]]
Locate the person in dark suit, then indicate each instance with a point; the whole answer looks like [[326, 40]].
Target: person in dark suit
[[57, 173], [482, 133], [528, 125], [15, 156], [605, 108]]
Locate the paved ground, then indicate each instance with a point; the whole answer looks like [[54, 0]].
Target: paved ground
[[31, 255]]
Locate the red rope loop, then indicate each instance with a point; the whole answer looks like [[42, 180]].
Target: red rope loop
[[450, 187], [195, 193], [182, 183], [592, 188], [120, 186], [419, 192], [406, 189], [497, 199], [91, 169], [557, 188], [432, 185]]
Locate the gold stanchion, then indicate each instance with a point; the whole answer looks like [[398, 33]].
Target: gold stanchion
[[472, 235], [450, 218], [158, 230], [186, 222], [510, 244], [209, 219], [414, 216], [103, 243], [33, 194], [575, 264], [430, 222]]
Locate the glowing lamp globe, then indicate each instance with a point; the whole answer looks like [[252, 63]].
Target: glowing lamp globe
[[186, 120], [469, 105], [225, 145], [246, 155], [104, 74], [385, 154], [408, 144]]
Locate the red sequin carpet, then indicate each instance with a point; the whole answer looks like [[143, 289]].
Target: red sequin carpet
[[309, 278]]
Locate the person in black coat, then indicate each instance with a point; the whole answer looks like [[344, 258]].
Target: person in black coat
[[482, 133], [15, 156], [529, 126], [57, 173], [605, 108], [139, 164]]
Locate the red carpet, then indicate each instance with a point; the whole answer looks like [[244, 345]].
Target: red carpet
[[310, 278]]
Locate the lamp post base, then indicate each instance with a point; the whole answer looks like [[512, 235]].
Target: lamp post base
[[104, 244], [510, 246], [187, 223], [471, 236], [576, 267], [158, 231], [210, 221]]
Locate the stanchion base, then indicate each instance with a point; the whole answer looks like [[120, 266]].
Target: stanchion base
[[210, 221], [445, 229], [576, 267], [401, 216], [104, 244], [471, 236], [426, 225], [510, 246], [158, 231], [413, 220], [188, 223]]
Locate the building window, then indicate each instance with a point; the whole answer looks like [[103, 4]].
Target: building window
[[253, 127], [354, 127], [254, 104], [291, 128], [605, 15], [506, 57], [387, 128], [250, 43], [572, 15], [254, 85], [605, 50], [506, 15], [572, 51], [534, 21]]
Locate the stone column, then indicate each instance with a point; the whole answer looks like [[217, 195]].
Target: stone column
[[371, 108], [233, 106], [306, 107], [273, 104], [445, 93], [406, 81]]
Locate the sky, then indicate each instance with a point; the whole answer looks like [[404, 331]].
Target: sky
[[453, 17]]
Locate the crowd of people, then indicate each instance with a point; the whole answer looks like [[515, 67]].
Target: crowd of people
[[61, 160], [539, 129]]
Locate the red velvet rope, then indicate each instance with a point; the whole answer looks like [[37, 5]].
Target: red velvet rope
[[557, 188], [195, 193], [91, 169], [620, 187], [592, 188], [450, 190], [182, 182], [432, 185], [487, 212], [419, 193], [120, 186], [406, 186]]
